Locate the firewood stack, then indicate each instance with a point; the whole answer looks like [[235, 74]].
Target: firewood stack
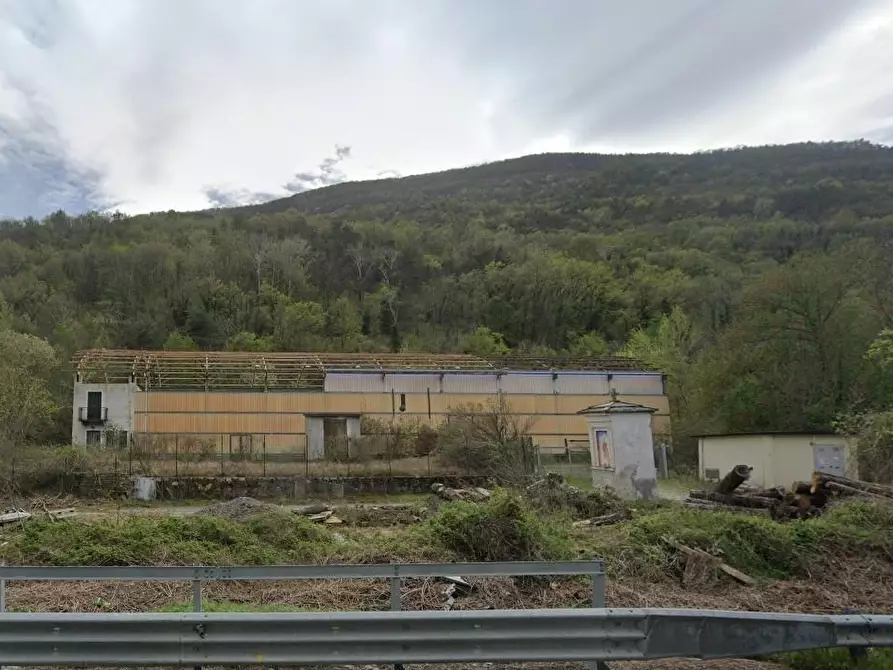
[[834, 485], [804, 500]]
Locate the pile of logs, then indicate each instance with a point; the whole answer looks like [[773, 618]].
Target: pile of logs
[[804, 500], [824, 483]]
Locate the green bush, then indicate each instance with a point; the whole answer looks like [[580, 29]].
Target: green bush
[[504, 528], [757, 545], [264, 539]]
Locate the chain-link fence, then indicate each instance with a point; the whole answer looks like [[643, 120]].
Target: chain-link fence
[[270, 455]]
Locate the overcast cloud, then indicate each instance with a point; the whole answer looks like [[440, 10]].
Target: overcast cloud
[[184, 104]]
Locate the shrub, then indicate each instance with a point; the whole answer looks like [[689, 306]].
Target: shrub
[[487, 440], [503, 529], [263, 539]]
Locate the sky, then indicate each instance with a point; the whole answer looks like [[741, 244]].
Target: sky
[[147, 105]]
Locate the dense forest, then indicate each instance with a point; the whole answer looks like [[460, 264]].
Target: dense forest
[[760, 279]]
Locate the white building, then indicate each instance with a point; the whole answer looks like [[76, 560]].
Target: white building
[[777, 459]]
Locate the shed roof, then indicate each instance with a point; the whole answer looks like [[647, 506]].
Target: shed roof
[[618, 407]]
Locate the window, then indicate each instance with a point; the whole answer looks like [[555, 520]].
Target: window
[[93, 438], [122, 439]]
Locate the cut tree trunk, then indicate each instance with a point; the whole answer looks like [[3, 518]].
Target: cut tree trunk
[[734, 478], [822, 479]]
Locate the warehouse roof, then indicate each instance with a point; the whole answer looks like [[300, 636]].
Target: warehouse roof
[[289, 370]]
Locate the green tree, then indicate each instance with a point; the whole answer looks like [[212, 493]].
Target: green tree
[[178, 342], [26, 402], [483, 342]]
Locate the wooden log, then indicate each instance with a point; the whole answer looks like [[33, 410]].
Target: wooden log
[[734, 478], [801, 488], [722, 565], [843, 489], [734, 499], [777, 493], [822, 479]]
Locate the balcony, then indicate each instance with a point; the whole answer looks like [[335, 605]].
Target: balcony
[[93, 416]]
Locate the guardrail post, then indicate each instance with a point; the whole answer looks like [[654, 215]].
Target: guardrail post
[[196, 595], [598, 585], [598, 601], [197, 602], [396, 598]]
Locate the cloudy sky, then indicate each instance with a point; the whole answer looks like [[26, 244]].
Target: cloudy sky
[[182, 104]]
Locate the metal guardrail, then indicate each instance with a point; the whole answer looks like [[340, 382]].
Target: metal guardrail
[[422, 637], [395, 572]]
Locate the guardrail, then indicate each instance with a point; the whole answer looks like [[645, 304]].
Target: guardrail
[[394, 572], [351, 638]]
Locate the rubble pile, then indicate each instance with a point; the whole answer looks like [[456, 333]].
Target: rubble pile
[[450, 494]]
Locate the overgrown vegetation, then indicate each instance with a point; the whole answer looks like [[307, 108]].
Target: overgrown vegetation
[[837, 659], [757, 545], [263, 539], [486, 440], [505, 528]]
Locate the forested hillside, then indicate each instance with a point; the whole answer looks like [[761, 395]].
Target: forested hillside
[[757, 278]]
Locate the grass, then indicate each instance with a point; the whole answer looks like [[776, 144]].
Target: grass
[[837, 659], [754, 544], [261, 540]]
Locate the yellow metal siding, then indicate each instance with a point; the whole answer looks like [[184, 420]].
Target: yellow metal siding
[[553, 417]]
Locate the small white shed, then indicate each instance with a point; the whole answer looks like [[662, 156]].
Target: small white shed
[[777, 459], [622, 447]]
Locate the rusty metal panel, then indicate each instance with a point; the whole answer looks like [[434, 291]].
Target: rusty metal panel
[[470, 383], [527, 383], [588, 384], [641, 383], [355, 382]]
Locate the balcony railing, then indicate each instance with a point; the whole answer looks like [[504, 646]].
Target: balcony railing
[[93, 415]]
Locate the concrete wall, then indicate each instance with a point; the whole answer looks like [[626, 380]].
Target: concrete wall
[[777, 460], [632, 472], [275, 488], [118, 398]]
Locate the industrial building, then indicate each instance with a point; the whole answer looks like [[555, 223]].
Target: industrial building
[[296, 402], [777, 459]]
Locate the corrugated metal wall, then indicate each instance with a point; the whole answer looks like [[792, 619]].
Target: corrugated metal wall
[[550, 402]]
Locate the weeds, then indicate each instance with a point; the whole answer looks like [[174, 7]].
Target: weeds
[[264, 539], [759, 546], [837, 659], [505, 528]]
